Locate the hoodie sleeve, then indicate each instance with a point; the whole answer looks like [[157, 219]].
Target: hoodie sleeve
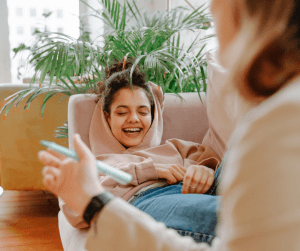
[[142, 169], [195, 154]]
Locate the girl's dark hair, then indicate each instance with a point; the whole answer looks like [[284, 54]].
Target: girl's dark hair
[[117, 77]]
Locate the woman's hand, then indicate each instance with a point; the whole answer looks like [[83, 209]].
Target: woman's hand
[[198, 179], [75, 182], [172, 173]]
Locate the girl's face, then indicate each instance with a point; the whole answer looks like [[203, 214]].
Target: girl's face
[[226, 22], [130, 116]]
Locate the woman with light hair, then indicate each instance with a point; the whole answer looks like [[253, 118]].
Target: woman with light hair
[[260, 208]]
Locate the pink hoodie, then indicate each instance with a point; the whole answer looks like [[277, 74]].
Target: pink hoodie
[[140, 161]]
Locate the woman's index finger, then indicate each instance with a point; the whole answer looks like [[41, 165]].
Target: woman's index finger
[[81, 148], [49, 159], [56, 154]]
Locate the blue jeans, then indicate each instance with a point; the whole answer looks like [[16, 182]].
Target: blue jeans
[[194, 215]]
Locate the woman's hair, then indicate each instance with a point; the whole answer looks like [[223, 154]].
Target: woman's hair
[[265, 54], [117, 77]]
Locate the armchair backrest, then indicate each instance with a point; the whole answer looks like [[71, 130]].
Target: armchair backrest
[[183, 119]]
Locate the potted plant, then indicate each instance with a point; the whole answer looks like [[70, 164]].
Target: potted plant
[[75, 66]]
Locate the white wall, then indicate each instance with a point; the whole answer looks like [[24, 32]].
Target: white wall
[[188, 36], [96, 27], [5, 76], [153, 5]]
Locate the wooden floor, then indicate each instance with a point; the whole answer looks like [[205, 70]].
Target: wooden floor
[[28, 221]]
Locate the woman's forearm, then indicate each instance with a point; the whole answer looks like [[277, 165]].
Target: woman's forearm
[[121, 226]]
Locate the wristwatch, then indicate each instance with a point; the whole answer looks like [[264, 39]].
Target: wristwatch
[[96, 205]]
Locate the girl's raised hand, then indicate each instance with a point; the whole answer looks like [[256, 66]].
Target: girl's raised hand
[[75, 182], [198, 179]]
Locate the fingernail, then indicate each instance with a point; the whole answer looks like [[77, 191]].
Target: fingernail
[[44, 169], [40, 155], [184, 192]]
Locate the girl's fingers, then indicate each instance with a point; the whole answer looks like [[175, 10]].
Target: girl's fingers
[[187, 180], [170, 178], [195, 180], [209, 183], [178, 176], [202, 181], [182, 168], [179, 169], [48, 159]]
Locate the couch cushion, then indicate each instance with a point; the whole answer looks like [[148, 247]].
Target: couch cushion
[[225, 107]]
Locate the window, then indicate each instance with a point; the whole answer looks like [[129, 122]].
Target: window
[[33, 29], [20, 30], [25, 16], [59, 13], [19, 12], [187, 36], [33, 12]]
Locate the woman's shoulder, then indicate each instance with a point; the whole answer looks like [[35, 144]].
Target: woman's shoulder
[[275, 120]]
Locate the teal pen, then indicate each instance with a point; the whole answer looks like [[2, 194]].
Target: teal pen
[[114, 173]]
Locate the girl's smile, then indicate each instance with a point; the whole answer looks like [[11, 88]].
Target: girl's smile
[[130, 116]]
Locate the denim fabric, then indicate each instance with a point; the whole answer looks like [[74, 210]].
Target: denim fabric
[[213, 188], [192, 215]]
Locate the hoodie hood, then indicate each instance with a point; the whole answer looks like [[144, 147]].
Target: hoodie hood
[[102, 141]]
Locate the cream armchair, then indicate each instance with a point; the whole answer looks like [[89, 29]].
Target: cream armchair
[[183, 119]]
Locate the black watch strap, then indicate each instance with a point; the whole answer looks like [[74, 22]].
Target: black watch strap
[[96, 205]]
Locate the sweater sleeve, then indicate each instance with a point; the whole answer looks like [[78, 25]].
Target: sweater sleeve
[[142, 169], [136, 231], [260, 188], [195, 154]]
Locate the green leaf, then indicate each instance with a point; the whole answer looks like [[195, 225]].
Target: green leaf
[[73, 84], [123, 20], [53, 66], [59, 65], [47, 97], [65, 60], [46, 67], [203, 78]]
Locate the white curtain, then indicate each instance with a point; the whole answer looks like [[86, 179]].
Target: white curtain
[[5, 74]]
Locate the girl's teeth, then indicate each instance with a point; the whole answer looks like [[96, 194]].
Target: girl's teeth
[[132, 130]]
